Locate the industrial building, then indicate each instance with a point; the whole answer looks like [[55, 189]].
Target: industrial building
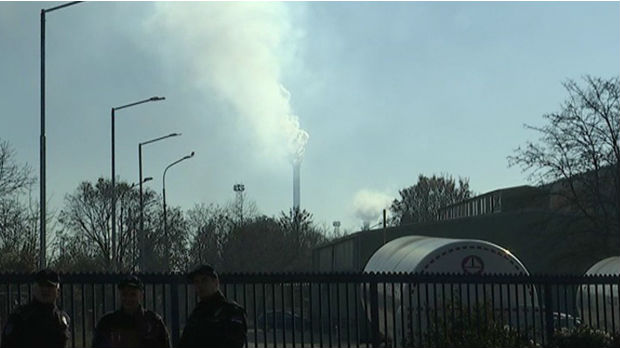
[[523, 219]]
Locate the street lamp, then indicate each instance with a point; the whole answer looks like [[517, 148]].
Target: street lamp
[[42, 214], [113, 169], [164, 196], [141, 199]]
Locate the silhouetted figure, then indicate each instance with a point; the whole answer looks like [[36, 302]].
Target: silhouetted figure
[[39, 323], [216, 321], [132, 325]]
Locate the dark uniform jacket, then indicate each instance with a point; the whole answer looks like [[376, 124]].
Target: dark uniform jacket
[[36, 324], [145, 328], [215, 322]]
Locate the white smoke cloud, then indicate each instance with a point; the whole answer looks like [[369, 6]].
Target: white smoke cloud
[[236, 50], [368, 205]]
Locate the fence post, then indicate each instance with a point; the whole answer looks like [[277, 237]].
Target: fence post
[[549, 327], [174, 301], [374, 314]]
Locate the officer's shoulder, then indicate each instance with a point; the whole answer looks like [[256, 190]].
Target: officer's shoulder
[[63, 314], [234, 307], [151, 315], [24, 312], [109, 318]]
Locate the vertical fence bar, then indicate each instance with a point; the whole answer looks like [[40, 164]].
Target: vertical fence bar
[[509, 300], [113, 296], [477, 308], [617, 293], [385, 317], [310, 314], [367, 312], [94, 306], [453, 314], [320, 315], [329, 314], [566, 303], [590, 321], [164, 302], [245, 305], [394, 334], [186, 292], [613, 308], [443, 309], [374, 313], [549, 327], [485, 321], [533, 306], [301, 313], [524, 288], [174, 313], [541, 304], [427, 309], [576, 290], [338, 309], [264, 315], [274, 314], [357, 304], [469, 309], [418, 287], [436, 311], [402, 315], [154, 296], [19, 296], [348, 317], [283, 304], [254, 319], [72, 315], [517, 305], [9, 307], [83, 314], [410, 314], [604, 307]]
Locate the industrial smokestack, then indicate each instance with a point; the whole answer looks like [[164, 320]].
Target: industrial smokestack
[[296, 190]]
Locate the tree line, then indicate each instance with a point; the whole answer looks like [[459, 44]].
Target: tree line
[[576, 159]]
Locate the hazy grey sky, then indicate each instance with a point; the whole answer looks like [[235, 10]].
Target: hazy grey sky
[[385, 91]]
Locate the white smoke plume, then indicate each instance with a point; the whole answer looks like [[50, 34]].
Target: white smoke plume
[[368, 205], [237, 52]]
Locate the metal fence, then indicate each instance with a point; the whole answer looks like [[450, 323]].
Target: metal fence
[[359, 310]]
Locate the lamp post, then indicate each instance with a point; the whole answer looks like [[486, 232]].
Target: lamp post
[[113, 169], [142, 249], [164, 197], [42, 213]]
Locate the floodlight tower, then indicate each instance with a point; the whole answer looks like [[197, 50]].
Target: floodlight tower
[[239, 188]]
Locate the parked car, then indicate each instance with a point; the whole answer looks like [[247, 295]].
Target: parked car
[[565, 321], [266, 320]]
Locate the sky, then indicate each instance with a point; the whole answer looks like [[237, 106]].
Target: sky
[[368, 94]]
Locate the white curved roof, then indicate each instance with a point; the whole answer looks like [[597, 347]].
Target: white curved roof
[[610, 265], [445, 255]]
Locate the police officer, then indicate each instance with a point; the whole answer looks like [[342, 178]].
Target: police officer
[[39, 323], [216, 321], [132, 325]]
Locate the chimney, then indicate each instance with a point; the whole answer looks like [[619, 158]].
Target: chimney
[[296, 193]]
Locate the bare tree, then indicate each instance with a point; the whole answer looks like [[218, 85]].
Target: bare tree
[[421, 202], [18, 216], [14, 179], [86, 222], [577, 154], [209, 228]]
